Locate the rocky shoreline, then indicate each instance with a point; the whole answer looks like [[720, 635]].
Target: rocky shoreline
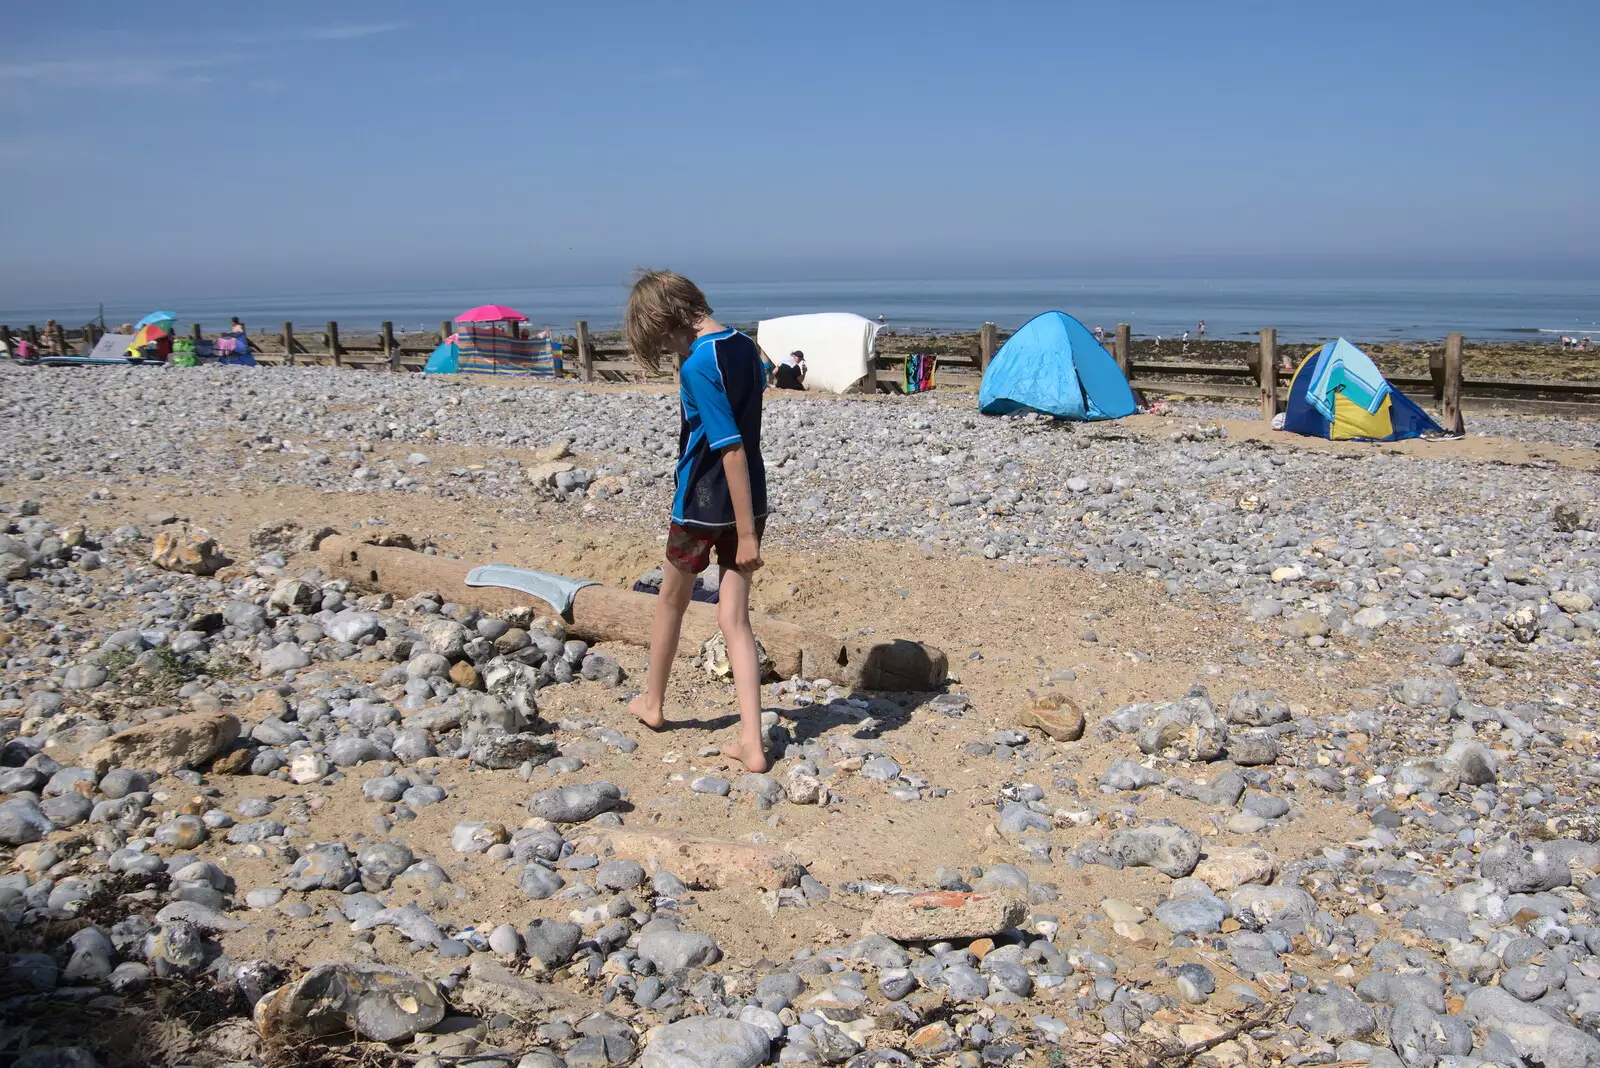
[[1255, 754]]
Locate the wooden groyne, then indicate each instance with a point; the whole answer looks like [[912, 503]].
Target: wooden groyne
[[1252, 373]]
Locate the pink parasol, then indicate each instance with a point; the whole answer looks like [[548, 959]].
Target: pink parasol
[[491, 313]]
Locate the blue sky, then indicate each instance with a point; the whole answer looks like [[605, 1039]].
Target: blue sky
[[221, 148]]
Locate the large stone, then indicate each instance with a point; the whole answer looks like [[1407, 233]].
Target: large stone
[[550, 943], [21, 821], [1189, 729], [1225, 869], [1257, 708], [706, 1042], [1474, 762], [283, 657], [1421, 1036], [676, 952], [575, 803], [1519, 871], [703, 863], [497, 750], [327, 867], [382, 1004], [192, 552], [945, 915], [351, 626], [1055, 714], [1334, 1016], [1168, 848], [491, 988], [1537, 1035], [186, 740], [1288, 907]]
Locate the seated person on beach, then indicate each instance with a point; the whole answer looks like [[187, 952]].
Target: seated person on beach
[[791, 373], [236, 327]]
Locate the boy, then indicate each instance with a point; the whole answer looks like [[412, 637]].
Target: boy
[[721, 500]]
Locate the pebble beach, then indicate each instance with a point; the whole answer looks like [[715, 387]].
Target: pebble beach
[[1254, 750]]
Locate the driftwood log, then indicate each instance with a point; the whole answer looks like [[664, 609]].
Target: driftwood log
[[601, 613]]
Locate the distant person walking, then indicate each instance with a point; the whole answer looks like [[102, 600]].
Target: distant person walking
[[791, 373], [1185, 350], [1200, 329]]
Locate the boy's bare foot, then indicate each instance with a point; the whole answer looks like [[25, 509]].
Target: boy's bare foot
[[641, 711], [754, 758]]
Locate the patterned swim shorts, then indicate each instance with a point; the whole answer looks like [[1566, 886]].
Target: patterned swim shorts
[[689, 549]]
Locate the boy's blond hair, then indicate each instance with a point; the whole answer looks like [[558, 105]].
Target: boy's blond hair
[[660, 303]]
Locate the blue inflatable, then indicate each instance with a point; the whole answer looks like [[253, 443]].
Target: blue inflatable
[[1054, 365]]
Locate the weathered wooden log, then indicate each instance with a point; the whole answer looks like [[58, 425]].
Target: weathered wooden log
[[602, 613]]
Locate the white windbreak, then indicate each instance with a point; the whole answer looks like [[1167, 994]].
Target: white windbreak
[[837, 346]]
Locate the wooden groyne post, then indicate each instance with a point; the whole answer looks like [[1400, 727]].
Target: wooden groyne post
[[986, 345], [390, 352], [334, 351], [1269, 373], [585, 354], [288, 344], [1450, 409], [1122, 349]]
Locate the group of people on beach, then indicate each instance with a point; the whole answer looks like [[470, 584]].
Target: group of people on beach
[[1199, 329], [1578, 343]]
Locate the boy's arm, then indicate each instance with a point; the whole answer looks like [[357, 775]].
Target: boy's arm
[[736, 466]]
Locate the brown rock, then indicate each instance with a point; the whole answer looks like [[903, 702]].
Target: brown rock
[[703, 863], [236, 762], [1228, 869], [1056, 714], [465, 676], [551, 453], [491, 988], [269, 704], [934, 1040], [946, 915], [980, 947], [193, 552], [165, 745]]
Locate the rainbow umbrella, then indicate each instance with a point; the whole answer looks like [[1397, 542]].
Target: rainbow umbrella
[[162, 319], [146, 334], [491, 313]]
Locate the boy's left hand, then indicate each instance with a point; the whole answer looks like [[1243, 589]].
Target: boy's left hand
[[747, 557]]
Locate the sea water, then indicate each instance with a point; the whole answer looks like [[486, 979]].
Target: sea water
[[1302, 309]]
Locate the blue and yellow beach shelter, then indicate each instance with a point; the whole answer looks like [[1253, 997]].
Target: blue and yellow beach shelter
[[1339, 393], [1053, 364]]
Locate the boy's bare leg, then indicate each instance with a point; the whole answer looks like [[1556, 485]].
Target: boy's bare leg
[[733, 616], [677, 587]]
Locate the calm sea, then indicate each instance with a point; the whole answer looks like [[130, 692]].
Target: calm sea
[[1302, 309]]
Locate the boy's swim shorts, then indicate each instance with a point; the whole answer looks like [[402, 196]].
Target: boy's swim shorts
[[689, 548]]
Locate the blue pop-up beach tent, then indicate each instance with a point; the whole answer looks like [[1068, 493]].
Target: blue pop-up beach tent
[[1339, 393], [445, 359], [1054, 365]]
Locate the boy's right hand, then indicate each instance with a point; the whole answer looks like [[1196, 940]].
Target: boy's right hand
[[747, 557]]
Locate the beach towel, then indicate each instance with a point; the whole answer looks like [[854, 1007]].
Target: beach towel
[[919, 372]]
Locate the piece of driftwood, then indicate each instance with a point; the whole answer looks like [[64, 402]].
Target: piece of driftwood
[[601, 613]]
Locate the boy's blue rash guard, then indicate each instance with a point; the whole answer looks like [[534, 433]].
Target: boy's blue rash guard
[[720, 397]]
